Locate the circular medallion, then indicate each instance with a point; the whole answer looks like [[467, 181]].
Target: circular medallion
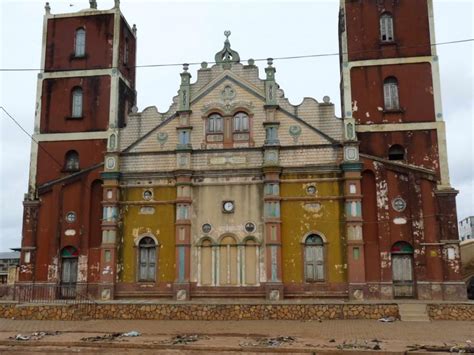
[[399, 204], [147, 195], [206, 228], [249, 227], [110, 162], [71, 217], [311, 190]]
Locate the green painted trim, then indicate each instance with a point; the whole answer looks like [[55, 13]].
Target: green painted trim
[[110, 175], [352, 166]]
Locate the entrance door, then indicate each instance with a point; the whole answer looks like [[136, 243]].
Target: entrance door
[[68, 277], [314, 258], [68, 272], [402, 270]]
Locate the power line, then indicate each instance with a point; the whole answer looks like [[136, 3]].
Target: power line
[[29, 135], [262, 59]]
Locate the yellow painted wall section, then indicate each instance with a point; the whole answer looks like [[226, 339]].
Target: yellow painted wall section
[[302, 217], [161, 224]]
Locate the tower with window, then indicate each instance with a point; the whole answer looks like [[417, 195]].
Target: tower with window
[[390, 90], [85, 88]]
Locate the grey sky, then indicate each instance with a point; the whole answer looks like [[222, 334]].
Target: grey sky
[[179, 32]]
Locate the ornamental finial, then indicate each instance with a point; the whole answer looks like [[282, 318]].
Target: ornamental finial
[[47, 8], [227, 55]]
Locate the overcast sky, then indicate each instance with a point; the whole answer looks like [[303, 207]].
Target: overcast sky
[[179, 32]]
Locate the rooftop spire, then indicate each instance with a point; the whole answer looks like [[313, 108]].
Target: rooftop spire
[[227, 55]]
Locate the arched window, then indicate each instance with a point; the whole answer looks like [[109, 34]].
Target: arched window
[[80, 43], [396, 152], [76, 110], [147, 259], [251, 262], [386, 28], [314, 258], [206, 263], [71, 161], [241, 122], [228, 262], [215, 123], [390, 92]]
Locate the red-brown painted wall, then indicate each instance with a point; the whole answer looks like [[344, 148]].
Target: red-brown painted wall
[[57, 105], [90, 153], [411, 29], [382, 183], [127, 69], [415, 88], [61, 39], [421, 147]]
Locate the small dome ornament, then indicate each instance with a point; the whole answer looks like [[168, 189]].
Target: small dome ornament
[[227, 55]]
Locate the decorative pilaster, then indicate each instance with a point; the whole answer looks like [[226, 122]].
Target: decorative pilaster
[[270, 84], [181, 287], [353, 211], [108, 252], [28, 246], [184, 89]]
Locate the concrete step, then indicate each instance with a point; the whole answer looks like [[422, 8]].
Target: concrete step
[[413, 312]]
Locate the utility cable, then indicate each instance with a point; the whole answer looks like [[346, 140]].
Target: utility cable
[[259, 59]]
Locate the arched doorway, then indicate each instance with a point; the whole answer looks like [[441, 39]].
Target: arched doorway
[[402, 270], [314, 258], [69, 256], [147, 260], [228, 262]]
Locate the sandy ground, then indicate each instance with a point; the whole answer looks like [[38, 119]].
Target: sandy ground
[[358, 336]]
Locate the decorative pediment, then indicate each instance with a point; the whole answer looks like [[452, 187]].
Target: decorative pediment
[[228, 107]]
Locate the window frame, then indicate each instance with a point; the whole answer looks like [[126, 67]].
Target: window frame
[[80, 43], [391, 94], [238, 117], [386, 28], [213, 117], [77, 102], [71, 155]]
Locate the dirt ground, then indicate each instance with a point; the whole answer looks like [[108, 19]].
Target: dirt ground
[[201, 337]]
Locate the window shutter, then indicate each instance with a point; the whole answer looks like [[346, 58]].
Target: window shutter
[[387, 96], [394, 95]]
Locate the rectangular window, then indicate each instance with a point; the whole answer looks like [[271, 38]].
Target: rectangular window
[[272, 189], [272, 209], [182, 212], [184, 137]]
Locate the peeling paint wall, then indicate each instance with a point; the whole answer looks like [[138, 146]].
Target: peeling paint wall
[[298, 220], [159, 224]]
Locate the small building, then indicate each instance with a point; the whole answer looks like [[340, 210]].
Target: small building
[[8, 261], [466, 229]]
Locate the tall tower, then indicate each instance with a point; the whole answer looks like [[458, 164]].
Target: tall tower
[[85, 90], [391, 91]]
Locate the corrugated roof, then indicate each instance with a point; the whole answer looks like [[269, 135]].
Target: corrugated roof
[[10, 255]]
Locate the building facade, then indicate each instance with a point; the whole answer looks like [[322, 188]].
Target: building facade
[[466, 228], [235, 192]]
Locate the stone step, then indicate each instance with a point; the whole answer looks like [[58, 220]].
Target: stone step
[[413, 312]]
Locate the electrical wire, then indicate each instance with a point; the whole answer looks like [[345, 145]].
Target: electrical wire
[[259, 59]]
